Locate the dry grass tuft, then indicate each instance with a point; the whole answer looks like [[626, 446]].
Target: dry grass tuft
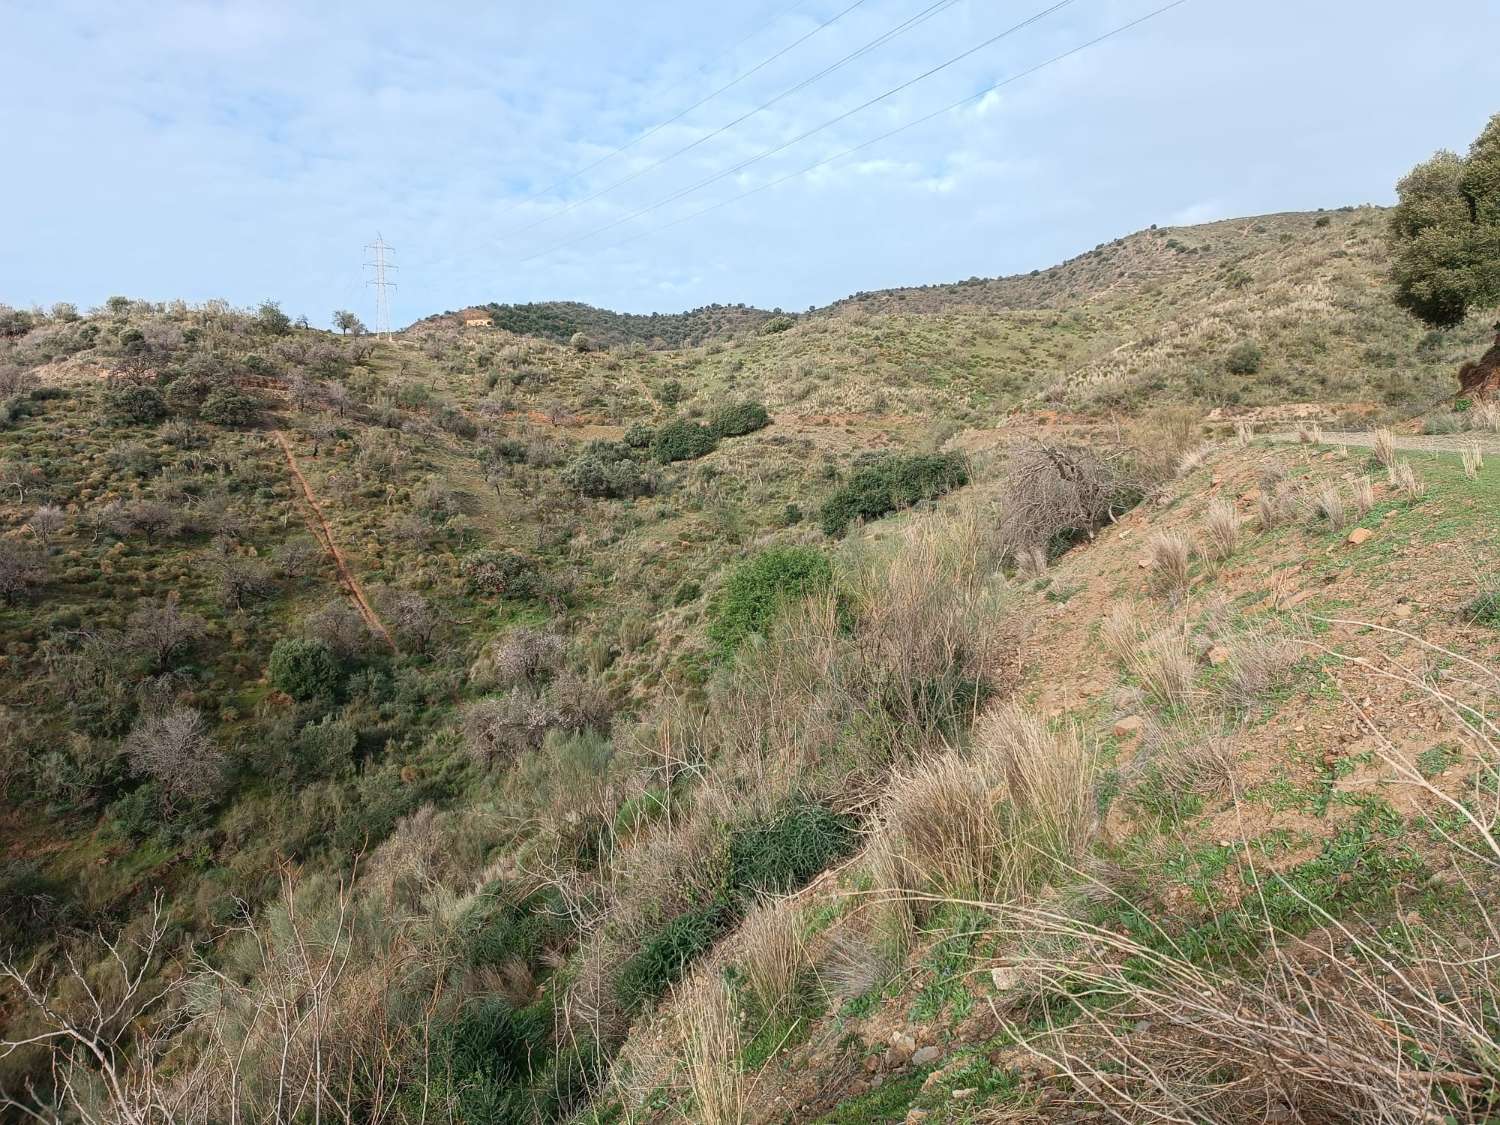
[[1257, 665], [1384, 447], [1170, 554], [1485, 416], [1187, 759], [1221, 529], [1164, 667], [1193, 459], [772, 953], [1121, 630], [709, 1030], [1310, 433], [1242, 433], [1327, 503], [1407, 481], [1473, 460], [1362, 495]]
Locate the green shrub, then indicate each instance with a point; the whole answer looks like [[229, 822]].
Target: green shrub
[[303, 669], [135, 403], [229, 407], [639, 436], [503, 926], [737, 418], [785, 852], [325, 747], [891, 482], [1244, 358], [487, 1053], [777, 324], [605, 469], [751, 597], [666, 954], [681, 440], [506, 573]]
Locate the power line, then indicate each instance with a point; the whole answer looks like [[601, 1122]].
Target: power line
[[1043, 14], [974, 97], [905, 25], [573, 175], [380, 248]]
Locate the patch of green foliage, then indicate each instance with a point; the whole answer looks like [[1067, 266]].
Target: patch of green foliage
[[666, 954], [758, 588], [784, 852], [303, 669], [681, 440], [606, 470], [889, 482], [135, 403], [506, 573], [737, 418]]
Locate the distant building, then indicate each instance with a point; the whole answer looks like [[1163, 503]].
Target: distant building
[[476, 322]]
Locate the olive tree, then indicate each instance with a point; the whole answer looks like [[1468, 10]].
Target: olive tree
[[1445, 233]]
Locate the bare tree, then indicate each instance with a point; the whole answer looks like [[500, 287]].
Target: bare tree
[[46, 522], [20, 476], [242, 580], [21, 570], [339, 626], [339, 398], [176, 751], [295, 557], [411, 617], [160, 630]]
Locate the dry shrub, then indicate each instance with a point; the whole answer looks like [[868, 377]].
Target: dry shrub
[[1336, 1030], [1193, 459], [1053, 495], [772, 954], [1121, 630], [1221, 529], [1164, 666], [850, 965], [989, 824], [1327, 503], [1243, 433], [1160, 441], [710, 1039], [1270, 509], [1384, 447], [1310, 433], [1171, 553], [1257, 665], [1408, 481], [1031, 562], [1485, 416]]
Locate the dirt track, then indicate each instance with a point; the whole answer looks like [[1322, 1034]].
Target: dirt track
[[324, 534], [1417, 443]]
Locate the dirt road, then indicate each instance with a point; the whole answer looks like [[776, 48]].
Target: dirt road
[[324, 534]]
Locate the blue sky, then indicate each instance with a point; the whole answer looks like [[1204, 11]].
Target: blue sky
[[248, 150]]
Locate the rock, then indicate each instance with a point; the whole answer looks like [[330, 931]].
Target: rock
[[965, 1094], [1129, 726], [1404, 610], [902, 1044], [1217, 655], [872, 1063], [1360, 535], [915, 1115], [1004, 977], [925, 1055]]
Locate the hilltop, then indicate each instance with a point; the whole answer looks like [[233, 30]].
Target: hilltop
[[968, 703], [560, 321]]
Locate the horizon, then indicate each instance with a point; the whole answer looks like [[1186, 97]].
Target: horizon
[[249, 151]]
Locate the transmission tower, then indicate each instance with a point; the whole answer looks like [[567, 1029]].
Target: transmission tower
[[379, 263]]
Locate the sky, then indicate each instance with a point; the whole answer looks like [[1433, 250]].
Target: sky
[[250, 150]]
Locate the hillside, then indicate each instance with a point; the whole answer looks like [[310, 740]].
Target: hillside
[[936, 710], [559, 321]]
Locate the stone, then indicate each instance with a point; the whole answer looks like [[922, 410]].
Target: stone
[[1004, 977], [1360, 535], [1217, 655], [925, 1055], [1404, 610], [965, 1094], [1129, 726]]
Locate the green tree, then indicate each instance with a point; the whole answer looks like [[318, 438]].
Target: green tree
[[346, 322], [1445, 233], [303, 669], [271, 320]]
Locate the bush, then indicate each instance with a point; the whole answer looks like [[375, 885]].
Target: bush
[[777, 324], [303, 669], [504, 926], [681, 440], [758, 588], [606, 470], [1243, 359], [135, 404], [639, 436], [666, 954], [785, 852], [1053, 496], [506, 573], [891, 482], [739, 418], [580, 342], [325, 747], [229, 407]]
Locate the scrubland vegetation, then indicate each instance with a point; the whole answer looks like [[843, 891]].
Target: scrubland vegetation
[[868, 717]]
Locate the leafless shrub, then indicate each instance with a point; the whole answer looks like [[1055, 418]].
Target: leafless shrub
[[522, 655], [295, 557], [176, 751], [1052, 494], [498, 728], [1221, 529], [1242, 433], [46, 523], [1164, 666], [242, 580], [1171, 553], [1310, 433], [21, 570], [341, 627], [1031, 562], [160, 630], [1187, 758], [410, 616], [1193, 460]]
